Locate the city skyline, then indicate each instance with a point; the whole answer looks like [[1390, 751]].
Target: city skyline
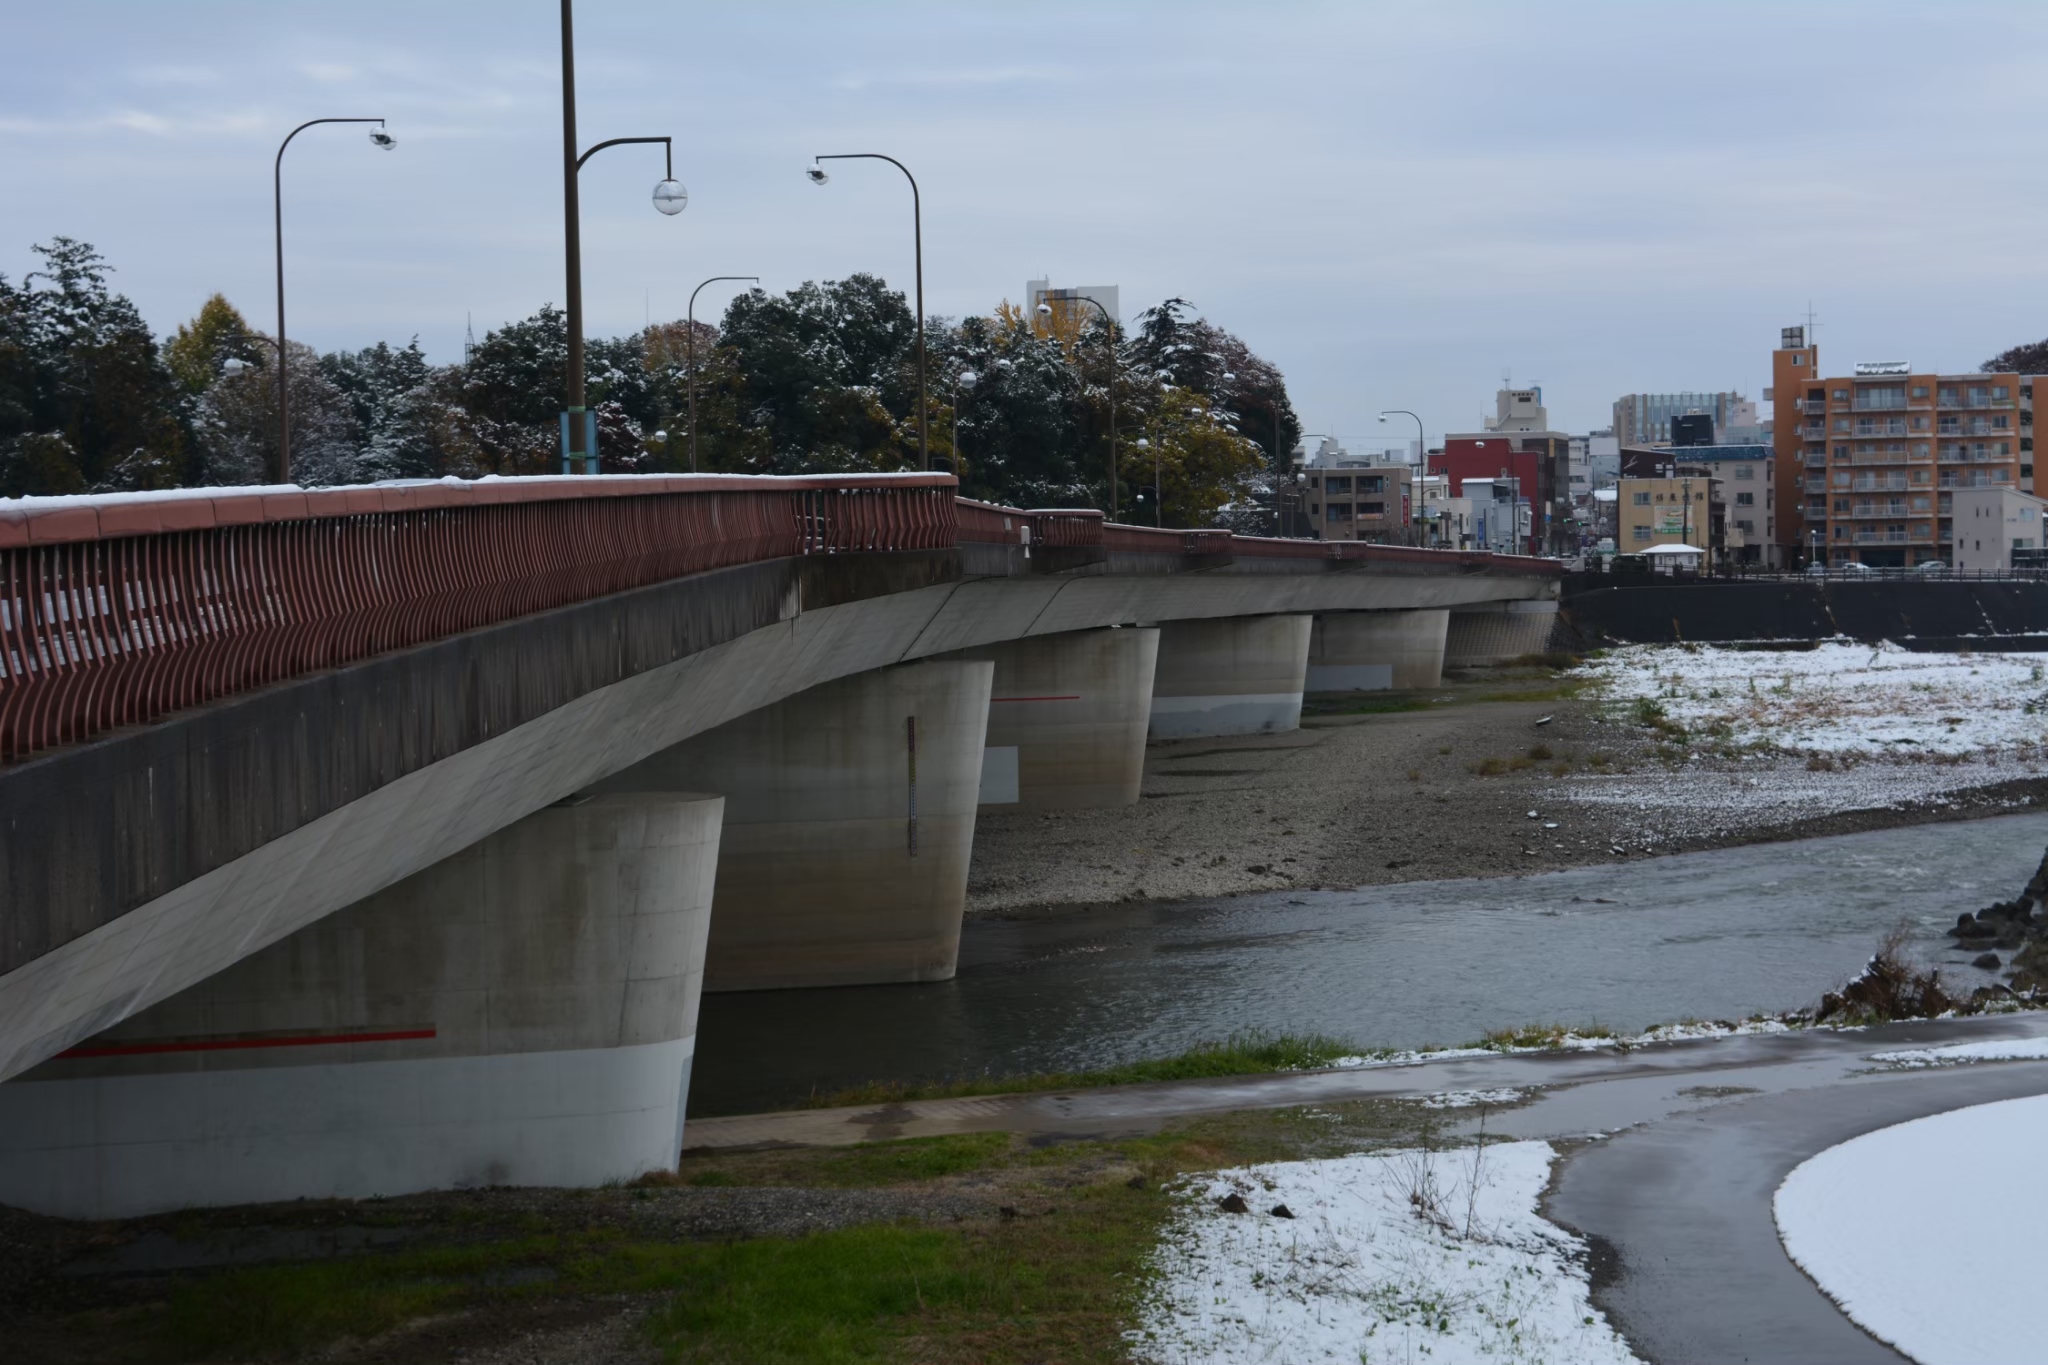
[[1381, 202]]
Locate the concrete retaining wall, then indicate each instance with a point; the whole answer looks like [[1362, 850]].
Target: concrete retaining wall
[[1068, 717], [1786, 609], [1498, 633], [1361, 651], [1241, 676], [844, 858], [523, 1012]]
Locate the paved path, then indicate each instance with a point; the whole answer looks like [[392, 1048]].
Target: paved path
[[1693, 1141]]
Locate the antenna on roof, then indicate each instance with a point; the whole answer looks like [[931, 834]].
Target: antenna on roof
[[468, 337]]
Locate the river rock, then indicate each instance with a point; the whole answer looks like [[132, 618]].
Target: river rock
[[1988, 961], [1233, 1203], [1282, 1211]]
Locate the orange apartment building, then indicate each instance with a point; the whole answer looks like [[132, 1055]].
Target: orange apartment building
[[1868, 464]]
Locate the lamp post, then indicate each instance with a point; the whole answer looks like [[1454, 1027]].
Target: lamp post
[[690, 346], [818, 177], [1158, 489], [669, 198], [380, 139], [963, 384], [1109, 328], [1421, 437]]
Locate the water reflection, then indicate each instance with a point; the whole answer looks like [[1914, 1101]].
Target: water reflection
[[1708, 935]]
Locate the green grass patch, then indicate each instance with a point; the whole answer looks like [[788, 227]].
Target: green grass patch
[[1241, 1054], [1364, 703], [1548, 1036]]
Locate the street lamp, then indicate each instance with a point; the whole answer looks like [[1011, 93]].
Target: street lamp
[[379, 138], [690, 346], [670, 198], [818, 177], [963, 384], [1158, 489], [1109, 327], [1421, 438]]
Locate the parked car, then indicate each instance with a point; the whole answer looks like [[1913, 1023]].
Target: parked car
[[1932, 567], [1816, 570]]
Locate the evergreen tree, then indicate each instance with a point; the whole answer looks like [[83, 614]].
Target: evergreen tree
[[200, 350]]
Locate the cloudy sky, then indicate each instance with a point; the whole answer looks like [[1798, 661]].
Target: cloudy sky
[[1397, 203]]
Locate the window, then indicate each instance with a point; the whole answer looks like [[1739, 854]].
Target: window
[[1841, 395], [1743, 471], [1340, 483], [1372, 509], [1639, 533], [1842, 506], [1747, 525], [1798, 358], [1340, 511], [1315, 509], [1372, 483], [1842, 479], [1639, 499], [1745, 499], [1919, 391], [1920, 423]]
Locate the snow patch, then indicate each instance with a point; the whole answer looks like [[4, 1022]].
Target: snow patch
[[1880, 1226], [1357, 1274], [1992, 1050], [1470, 1099]]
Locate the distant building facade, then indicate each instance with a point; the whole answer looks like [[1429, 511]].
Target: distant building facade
[[1743, 477], [1068, 299], [1350, 497], [1869, 464], [1645, 418], [1996, 529]]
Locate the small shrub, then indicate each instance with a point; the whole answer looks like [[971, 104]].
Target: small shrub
[[1415, 774], [1489, 767], [1541, 753], [1598, 760], [1520, 764], [1561, 769], [1890, 987]]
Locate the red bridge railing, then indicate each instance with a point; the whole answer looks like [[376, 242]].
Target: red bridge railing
[[118, 609]]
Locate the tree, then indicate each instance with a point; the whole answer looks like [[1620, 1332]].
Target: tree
[[1200, 464], [237, 425], [2031, 358], [200, 350], [77, 363]]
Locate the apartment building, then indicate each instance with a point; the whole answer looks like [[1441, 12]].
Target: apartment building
[[1996, 529], [1348, 497], [1741, 476], [1645, 418], [1869, 463]]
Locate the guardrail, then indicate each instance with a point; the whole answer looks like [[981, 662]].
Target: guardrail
[[118, 609]]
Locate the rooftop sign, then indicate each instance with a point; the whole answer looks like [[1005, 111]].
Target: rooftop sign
[[1866, 368]]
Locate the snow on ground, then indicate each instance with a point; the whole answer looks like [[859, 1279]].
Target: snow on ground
[[1992, 1050], [1470, 1099], [1838, 697], [1775, 735], [1562, 1041], [1880, 1225], [1358, 1275]]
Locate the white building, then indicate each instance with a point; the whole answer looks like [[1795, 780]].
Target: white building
[[1991, 524], [1519, 410], [1041, 291]]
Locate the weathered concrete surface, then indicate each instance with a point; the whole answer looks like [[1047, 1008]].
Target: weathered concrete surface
[[1499, 632], [1241, 676], [1953, 612], [1068, 716], [1361, 651], [849, 823], [525, 1013], [140, 864]]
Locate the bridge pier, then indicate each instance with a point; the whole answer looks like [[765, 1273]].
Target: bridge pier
[[523, 1012], [1238, 675], [1067, 719], [849, 821], [1490, 633], [1363, 651]]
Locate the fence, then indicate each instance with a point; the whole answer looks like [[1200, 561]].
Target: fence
[[116, 610]]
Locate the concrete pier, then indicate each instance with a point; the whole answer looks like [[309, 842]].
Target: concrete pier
[[1240, 675], [1498, 632], [1364, 651], [523, 1012], [1067, 719], [849, 821]]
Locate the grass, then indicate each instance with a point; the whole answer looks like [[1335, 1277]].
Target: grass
[[1365, 703], [1241, 1054], [1056, 1279], [1547, 1036]]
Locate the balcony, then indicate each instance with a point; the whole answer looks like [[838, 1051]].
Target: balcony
[[1817, 485], [1893, 510], [1880, 426], [1881, 537]]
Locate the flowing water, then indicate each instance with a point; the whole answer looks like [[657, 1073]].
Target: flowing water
[[1709, 935]]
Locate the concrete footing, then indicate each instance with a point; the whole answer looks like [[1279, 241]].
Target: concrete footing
[[1067, 719], [1498, 632], [1239, 675], [522, 1013], [849, 821], [1363, 651]]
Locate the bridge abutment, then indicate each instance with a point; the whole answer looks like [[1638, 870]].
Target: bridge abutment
[[523, 1012], [1239, 675], [1067, 719], [1490, 633], [849, 822], [1363, 651]]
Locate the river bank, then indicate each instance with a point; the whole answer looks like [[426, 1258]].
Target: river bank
[[1395, 787]]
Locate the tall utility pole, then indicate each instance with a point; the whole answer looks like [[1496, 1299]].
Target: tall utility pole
[[579, 433]]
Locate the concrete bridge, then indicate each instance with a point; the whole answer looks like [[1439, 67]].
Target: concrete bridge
[[366, 840]]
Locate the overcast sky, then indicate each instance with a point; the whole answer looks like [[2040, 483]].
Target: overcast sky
[[1396, 203]]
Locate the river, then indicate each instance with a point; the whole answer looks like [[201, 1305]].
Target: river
[[1719, 934]]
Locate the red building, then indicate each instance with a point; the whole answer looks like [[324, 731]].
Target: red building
[[1536, 460]]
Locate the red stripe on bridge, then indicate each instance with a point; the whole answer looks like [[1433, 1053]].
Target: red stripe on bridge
[[242, 1044]]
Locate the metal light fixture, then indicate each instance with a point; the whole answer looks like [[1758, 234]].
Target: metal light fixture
[[817, 175], [670, 197], [380, 138]]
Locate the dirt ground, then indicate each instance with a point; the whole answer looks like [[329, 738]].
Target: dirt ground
[[1490, 774]]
